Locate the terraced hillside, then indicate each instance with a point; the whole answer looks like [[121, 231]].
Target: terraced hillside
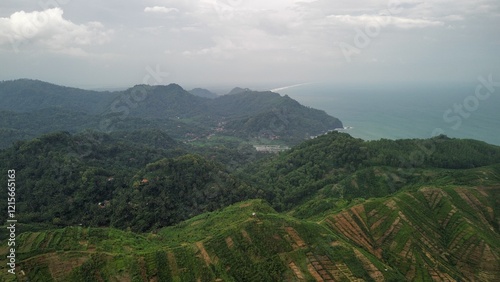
[[330, 209], [439, 234]]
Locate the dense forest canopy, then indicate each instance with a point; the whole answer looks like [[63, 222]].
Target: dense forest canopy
[[115, 189], [65, 177], [30, 108]]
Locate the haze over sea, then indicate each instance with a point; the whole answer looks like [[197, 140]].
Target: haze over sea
[[406, 111]]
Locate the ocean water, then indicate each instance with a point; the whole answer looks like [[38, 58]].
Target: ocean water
[[407, 111]]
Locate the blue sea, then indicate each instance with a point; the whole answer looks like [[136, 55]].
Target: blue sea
[[407, 111]]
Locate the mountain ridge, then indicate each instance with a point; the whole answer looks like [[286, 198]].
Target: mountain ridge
[[160, 107], [205, 93]]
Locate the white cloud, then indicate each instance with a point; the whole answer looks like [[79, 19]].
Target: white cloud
[[382, 21], [160, 9], [49, 30], [222, 46], [453, 18]]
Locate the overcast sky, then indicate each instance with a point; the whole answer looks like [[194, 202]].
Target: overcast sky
[[248, 43]]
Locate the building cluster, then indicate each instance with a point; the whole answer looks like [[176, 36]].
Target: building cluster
[[271, 148]]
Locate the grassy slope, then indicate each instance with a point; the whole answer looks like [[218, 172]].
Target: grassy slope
[[429, 233], [433, 233]]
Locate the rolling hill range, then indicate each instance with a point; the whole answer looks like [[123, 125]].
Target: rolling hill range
[[141, 206], [430, 234], [250, 115]]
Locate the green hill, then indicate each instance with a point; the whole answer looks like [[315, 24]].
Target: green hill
[[200, 92], [26, 95], [442, 234], [338, 165], [65, 176], [31, 107], [141, 206], [428, 234], [277, 117], [142, 182]]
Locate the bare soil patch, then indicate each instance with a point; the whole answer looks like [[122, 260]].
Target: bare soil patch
[[299, 243], [229, 242], [296, 270], [203, 253]]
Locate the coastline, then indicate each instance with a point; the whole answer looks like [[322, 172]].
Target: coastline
[[388, 113]]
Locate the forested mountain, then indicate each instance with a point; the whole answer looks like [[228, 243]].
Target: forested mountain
[[238, 90], [338, 165], [188, 198], [26, 95], [200, 92], [101, 180], [249, 115], [65, 177], [270, 115]]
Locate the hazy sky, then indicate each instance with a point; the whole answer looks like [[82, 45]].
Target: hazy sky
[[248, 43]]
